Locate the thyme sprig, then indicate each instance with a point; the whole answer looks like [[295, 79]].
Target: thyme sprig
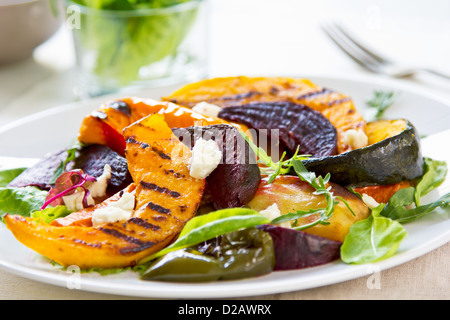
[[271, 168], [282, 167], [381, 101]]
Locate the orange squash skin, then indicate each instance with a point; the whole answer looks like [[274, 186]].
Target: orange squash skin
[[104, 125], [162, 207]]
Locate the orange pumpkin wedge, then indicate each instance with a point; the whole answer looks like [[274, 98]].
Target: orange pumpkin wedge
[[166, 198], [104, 125], [241, 90], [83, 218]]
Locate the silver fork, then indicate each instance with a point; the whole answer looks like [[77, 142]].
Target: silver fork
[[369, 59]]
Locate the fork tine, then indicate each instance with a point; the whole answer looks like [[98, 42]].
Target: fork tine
[[350, 49], [358, 43]]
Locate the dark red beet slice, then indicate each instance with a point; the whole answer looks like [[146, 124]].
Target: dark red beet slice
[[297, 249], [92, 160], [298, 125], [41, 173], [235, 180]]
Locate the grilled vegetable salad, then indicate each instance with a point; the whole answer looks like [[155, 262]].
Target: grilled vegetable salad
[[226, 178]]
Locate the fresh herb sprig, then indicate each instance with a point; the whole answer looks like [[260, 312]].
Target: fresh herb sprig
[[282, 167], [381, 101], [273, 169], [321, 188]]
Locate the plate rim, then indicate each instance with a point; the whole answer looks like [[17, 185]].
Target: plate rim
[[106, 287]]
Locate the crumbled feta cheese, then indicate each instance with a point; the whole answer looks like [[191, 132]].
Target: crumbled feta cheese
[[98, 188], [273, 212], [355, 139], [207, 109], [369, 201], [119, 210], [206, 156], [74, 202]]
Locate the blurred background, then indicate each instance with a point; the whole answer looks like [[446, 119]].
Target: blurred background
[[243, 37]]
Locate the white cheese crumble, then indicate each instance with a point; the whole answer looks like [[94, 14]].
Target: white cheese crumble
[[74, 202], [207, 109], [119, 210], [272, 212], [355, 139], [369, 201], [206, 156], [98, 188]]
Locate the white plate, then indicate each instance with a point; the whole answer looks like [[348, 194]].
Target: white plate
[[47, 131]]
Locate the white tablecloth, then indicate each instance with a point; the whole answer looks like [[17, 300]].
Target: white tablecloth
[[262, 37]]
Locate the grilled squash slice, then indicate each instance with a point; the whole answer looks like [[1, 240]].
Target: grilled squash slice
[[83, 218], [104, 126], [235, 91], [166, 198]]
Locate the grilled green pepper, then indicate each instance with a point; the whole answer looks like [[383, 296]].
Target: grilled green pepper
[[235, 255]]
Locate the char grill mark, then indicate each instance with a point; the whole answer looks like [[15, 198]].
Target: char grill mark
[[144, 223], [175, 174], [164, 190], [121, 106], [161, 154], [134, 141], [244, 95], [314, 94], [157, 208], [94, 245], [138, 245], [338, 101]]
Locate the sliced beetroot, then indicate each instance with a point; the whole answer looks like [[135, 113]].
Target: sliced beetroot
[[40, 175], [298, 125], [297, 249], [235, 180], [92, 160]]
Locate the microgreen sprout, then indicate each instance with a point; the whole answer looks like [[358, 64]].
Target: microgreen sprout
[[68, 183]]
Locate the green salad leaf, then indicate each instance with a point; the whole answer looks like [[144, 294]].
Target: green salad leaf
[[380, 235], [26, 201], [21, 201], [372, 239], [435, 172], [397, 207], [210, 225], [404, 205], [6, 176], [49, 214]]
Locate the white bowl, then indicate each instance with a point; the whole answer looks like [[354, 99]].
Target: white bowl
[[24, 25]]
